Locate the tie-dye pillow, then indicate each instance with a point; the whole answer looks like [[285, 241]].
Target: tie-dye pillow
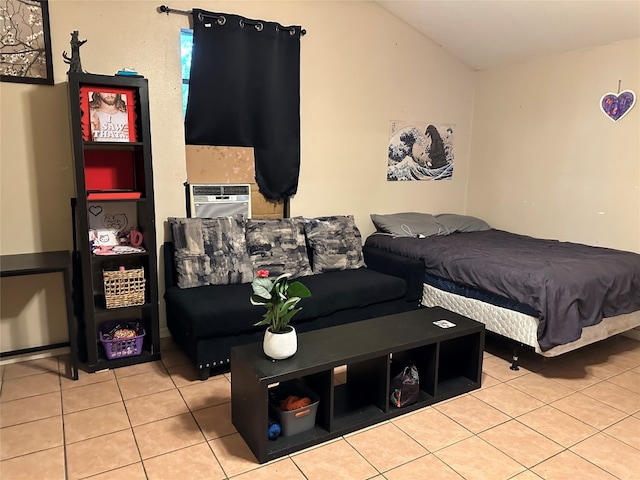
[[210, 251], [336, 243], [278, 245]]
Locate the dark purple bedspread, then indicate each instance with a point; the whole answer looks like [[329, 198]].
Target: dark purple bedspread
[[572, 285]]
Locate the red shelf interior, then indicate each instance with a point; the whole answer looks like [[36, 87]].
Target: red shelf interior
[[110, 170]]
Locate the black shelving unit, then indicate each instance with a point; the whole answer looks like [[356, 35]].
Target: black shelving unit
[[112, 174], [449, 363]]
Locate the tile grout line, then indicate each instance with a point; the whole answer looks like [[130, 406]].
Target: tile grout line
[[64, 432], [197, 424], [135, 439]]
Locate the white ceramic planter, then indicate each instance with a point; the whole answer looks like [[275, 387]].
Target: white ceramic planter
[[280, 345]]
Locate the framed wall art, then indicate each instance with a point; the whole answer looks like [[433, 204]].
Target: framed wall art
[[108, 114], [25, 44], [420, 151]]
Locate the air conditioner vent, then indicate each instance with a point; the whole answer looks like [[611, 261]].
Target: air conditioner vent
[[207, 189], [236, 189], [219, 200]]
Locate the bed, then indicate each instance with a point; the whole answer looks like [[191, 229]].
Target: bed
[[549, 295]]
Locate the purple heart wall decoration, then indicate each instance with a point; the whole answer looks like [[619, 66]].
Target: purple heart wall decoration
[[617, 106]]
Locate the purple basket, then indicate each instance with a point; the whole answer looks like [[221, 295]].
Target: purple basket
[[121, 347]]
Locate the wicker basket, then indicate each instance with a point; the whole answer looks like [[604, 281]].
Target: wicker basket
[[124, 288]]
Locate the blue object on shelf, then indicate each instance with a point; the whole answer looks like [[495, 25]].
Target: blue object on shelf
[[274, 430], [128, 73]]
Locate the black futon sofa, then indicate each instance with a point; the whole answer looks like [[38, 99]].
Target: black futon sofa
[[206, 321]]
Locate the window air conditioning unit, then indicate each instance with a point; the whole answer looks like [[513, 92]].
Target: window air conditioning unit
[[209, 200]]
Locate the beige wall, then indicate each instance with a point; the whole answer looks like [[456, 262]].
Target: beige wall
[[546, 161], [360, 69]]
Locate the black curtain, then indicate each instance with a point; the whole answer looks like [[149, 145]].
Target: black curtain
[[244, 90]]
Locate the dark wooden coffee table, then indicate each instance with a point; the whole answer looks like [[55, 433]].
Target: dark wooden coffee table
[[449, 362]]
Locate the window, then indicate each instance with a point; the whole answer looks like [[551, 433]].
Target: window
[[186, 45]]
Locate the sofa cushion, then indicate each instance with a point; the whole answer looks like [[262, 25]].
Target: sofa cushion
[[210, 251], [214, 310], [222, 310], [335, 243], [278, 245], [335, 291]]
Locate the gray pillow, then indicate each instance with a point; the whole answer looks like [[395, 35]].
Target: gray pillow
[[461, 223], [408, 224], [210, 251], [278, 245], [335, 242]]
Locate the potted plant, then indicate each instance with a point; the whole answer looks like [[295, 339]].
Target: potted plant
[[280, 297]]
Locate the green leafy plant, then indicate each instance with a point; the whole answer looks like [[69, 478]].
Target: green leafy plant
[[280, 298]]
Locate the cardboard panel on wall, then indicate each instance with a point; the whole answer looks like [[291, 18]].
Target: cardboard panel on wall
[[208, 164], [263, 208]]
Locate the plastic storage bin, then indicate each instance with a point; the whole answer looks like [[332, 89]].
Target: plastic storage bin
[[121, 347], [293, 422]]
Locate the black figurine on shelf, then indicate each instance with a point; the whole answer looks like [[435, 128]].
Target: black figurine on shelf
[[75, 65]]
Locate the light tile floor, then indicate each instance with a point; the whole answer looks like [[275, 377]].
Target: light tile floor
[[576, 416]]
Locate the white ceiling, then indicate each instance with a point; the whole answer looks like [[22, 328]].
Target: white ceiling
[[493, 33]]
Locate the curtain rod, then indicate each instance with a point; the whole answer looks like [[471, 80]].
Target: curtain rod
[[220, 19]]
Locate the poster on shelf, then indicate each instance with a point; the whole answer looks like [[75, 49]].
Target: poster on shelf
[[108, 114]]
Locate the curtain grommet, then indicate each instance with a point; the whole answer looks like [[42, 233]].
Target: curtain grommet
[[257, 25], [221, 20]]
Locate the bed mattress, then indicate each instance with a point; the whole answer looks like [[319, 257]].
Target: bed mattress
[[483, 296], [520, 327]]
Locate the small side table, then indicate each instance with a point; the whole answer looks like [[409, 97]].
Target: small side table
[[47, 262]]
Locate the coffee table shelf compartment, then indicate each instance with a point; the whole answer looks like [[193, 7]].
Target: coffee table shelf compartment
[[449, 363], [425, 359], [363, 398], [457, 371]]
